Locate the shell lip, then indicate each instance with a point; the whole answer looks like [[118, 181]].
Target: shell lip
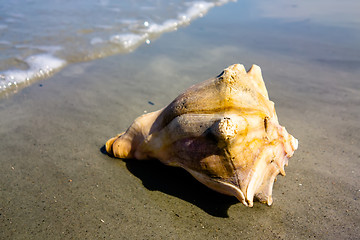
[[230, 189]]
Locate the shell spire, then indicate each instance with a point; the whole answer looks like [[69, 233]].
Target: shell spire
[[224, 131]]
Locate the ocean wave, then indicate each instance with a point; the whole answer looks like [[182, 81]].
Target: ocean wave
[[80, 32]]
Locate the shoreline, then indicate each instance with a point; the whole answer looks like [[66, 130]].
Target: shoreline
[[23, 69], [57, 183]]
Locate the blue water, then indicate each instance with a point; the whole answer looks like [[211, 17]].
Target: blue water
[[39, 37]]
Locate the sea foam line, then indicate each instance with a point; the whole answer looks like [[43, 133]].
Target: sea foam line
[[40, 66], [195, 10], [44, 65]]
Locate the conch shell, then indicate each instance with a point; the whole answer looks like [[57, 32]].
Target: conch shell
[[224, 131]]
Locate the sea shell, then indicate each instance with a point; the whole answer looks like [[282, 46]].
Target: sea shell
[[224, 131]]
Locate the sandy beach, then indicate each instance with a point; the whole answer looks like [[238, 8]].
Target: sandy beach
[[56, 181]]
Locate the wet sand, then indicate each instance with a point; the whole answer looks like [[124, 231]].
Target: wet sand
[[56, 182]]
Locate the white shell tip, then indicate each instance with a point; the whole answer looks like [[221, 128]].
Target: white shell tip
[[294, 143]]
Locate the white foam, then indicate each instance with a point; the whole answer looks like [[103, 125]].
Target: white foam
[[194, 10], [198, 9], [129, 25], [39, 66], [128, 40], [168, 25]]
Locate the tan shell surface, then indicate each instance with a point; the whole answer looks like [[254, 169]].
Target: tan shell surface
[[224, 131]]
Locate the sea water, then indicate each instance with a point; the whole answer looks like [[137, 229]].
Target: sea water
[[39, 37]]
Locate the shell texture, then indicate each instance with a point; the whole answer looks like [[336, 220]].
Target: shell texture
[[224, 131]]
